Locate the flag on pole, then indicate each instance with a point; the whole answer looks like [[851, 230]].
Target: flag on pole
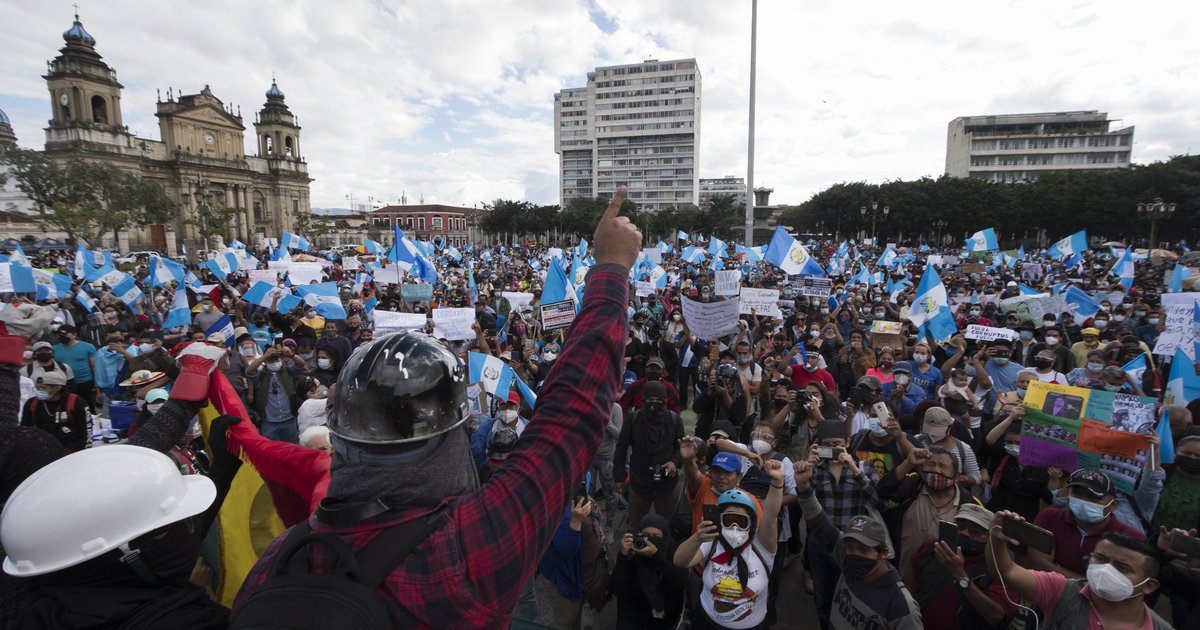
[[786, 253], [293, 241], [1136, 367], [1166, 442], [223, 326], [1083, 304], [680, 235], [51, 286], [324, 298], [164, 270], [1183, 386], [1073, 244], [180, 313], [89, 304], [556, 287], [1178, 275], [263, 294], [930, 309], [128, 292], [16, 278], [1124, 270], [491, 373], [983, 241]]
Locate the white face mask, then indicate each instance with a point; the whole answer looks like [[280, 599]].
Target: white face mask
[[146, 347], [920, 357], [507, 416], [1110, 584], [735, 536], [901, 379], [154, 407], [762, 447], [1013, 449]]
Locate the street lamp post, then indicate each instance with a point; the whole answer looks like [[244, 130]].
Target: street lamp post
[[874, 213], [940, 224], [1154, 212]]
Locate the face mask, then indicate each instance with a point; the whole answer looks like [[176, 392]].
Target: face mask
[[154, 407], [43, 394], [1110, 584], [937, 481], [110, 315], [1118, 318], [969, 371], [920, 357], [1113, 388], [1086, 511], [814, 334], [762, 447], [274, 367], [824, 311], [307, 356], [901, 379], [1153, 321], [44, 356], [975, 313], [735, 536], [743, 359], [1013, 449], [1100, 324], [1051, 341], [878, 314], [781, 403], [1188, 464], [206, 308], [1026, 335], [507, 416], [858, 567], [1001, 361], [676, 317], [876, 427], [1140, 313], [654, 409], [324, 364], [970, 546], [1043, 363], [1094, 367], [549, 357], [810, 368], [1021, 392]]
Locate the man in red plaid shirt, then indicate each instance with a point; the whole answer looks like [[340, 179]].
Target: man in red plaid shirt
[[399, 434]]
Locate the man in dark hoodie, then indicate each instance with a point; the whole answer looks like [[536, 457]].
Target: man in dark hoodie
[[648, 586], [653, 434]]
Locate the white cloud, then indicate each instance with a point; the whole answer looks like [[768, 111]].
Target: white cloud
[[453, 100]]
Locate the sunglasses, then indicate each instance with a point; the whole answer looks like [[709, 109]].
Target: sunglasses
[[734, 519]]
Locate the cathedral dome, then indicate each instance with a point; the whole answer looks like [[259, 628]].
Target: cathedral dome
[[78, 35], [274, 92], [4, 118]]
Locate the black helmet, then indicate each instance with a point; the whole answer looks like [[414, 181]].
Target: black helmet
[[401, 388], [727, 371], [500, 442]]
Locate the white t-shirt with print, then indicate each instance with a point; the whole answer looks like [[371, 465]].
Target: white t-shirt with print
[[729, 602]]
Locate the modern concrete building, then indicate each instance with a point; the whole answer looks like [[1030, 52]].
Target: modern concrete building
[[728, 185], [637, 125], [1021, 147]]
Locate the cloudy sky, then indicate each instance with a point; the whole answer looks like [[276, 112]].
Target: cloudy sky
[[452, 100]]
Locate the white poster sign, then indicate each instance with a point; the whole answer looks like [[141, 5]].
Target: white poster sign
[[305, 272], [764, 302], [713, 319], [350, 263], [387, 322], [263, 275], [644, 289], [516, 299], [728, 282], [391, 274], [1179, 327], [987, 333], [654, 254], [454, 323]]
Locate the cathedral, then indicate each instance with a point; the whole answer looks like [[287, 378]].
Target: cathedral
[[200, 160]]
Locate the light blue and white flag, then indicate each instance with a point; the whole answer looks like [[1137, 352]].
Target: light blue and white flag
[[1124, 270], [128, 292], [1178, 275], [1084, 305], [930, 310], [1025, 289], [717, 247], [680, 235], [222, 264], [324, 298], [293, 241], [1183, 386], [16, 278], [263, 294], [557, 288], [582, 248], [491, 373], [164, 270], [17, 256], [887, 259], [982, 241], [89, 304], [1136, 368], [786, 253], [225, 327], [1073, 244], [658, 276], [693, 255], [51, 286]]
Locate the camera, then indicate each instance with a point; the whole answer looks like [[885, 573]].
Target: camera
[[639, 540], [829, 452], [658, 472]]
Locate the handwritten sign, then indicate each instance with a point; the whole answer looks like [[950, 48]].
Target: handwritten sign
[[1179, 327], [391, 274], [454, 323], [416, 292], [387, 322], [350, 263], [764, 302], [305, 272], [728, 282], [557, 315], [711, 320], [987, 333], [644, 289]]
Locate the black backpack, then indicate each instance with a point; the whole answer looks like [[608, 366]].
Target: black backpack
[[293, 597]]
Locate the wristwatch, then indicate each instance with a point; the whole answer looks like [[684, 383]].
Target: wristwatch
[[963, 582]]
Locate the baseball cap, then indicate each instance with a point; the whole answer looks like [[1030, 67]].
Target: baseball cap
[[976, 514], [1090, 331], [57, 377], [872, 381], [628, 379], [1095, 482], [1011, 283], [217, 338], [42, 344], [727, 462], [867, 531], [723, 428], [656, 361], [156, 395], [937, 423], [901, 367], [514, 397]]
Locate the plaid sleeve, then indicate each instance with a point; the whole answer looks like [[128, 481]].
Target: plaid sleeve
[[506, 528]]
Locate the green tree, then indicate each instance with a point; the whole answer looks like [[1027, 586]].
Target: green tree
[[311, 226], [212, 219]]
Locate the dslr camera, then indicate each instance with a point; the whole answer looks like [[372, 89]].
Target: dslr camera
[[639, 540]]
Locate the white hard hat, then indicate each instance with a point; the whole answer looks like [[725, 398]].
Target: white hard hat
[[90, 502]]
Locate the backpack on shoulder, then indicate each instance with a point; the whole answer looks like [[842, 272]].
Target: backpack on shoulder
[[294, 597]]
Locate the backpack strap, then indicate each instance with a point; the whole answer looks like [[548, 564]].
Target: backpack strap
[[375, 560]]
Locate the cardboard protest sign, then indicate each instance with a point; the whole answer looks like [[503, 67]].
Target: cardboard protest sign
[[387, 322], [454, 323], [416, 292], [1052, 399], [1031, 271], [885, 334], [1178, 324], [557, 315], [1049, 441], [763, 302], [973, 267], [1031, 308], [711, 320], [728, 282], [987, 333]]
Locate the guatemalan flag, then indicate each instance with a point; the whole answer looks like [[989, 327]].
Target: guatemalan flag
[[222, 265], [491, 373], [16, 278], [983, 241], [681, 235], [128, 292], [1073, 244], [1083, 304], [930, 309], [51, 286], [658, 276], [1124, 269], [180, 313], [1136, 367], [323, 297], [263, 294], [294, 241], [717, 247], [1183, 386], [788, 254], [556, 287], [164, 270]]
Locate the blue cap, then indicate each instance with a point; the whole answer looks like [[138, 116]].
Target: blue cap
[[728, 462], [628, 379]]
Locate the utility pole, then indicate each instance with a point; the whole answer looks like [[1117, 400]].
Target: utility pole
[[750, 143]]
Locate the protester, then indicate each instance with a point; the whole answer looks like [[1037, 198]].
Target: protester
[[649, 588], [649, 442]]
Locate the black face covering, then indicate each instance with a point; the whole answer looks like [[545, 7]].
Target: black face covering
[[168, 554], [1188, 464]]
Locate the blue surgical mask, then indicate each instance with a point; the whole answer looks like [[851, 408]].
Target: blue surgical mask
[[324, 363], [1026, 335], [1086, 511], [43, 394], [1094, 367], [1001, 361], [876, 427]]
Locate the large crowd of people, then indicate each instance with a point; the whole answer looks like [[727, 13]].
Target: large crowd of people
[[657, 453]]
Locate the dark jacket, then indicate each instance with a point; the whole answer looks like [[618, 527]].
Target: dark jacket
[[648, 452]]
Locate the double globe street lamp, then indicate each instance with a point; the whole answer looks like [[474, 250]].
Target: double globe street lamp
[[874, 213], [1154, 212]]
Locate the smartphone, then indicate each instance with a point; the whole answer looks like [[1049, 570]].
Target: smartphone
[[829, 452], [881, 411], [712, 514], [948, 533], [1186, 545], [1029, 535]]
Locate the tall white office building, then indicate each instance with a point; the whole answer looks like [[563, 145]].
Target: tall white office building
[[1022, 147], [637, 125]]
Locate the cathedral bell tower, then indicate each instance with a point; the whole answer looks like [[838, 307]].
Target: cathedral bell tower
[[85, 95], [276, 128]]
